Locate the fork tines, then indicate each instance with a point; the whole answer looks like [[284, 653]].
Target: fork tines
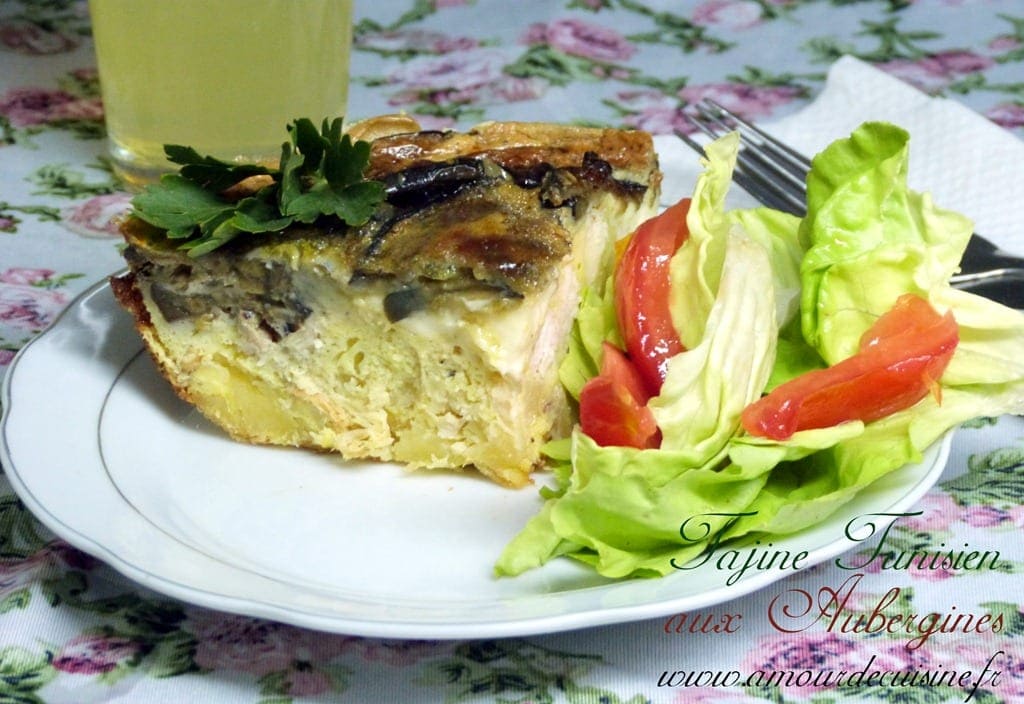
[[776, 175], [772, 172]]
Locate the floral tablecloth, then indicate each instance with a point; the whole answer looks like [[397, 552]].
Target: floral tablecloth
[[73, 630]]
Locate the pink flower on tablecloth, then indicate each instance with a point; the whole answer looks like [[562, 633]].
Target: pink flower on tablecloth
[[1015, 514], [514, 89], [441, 4], [889, 655], [578, 38], [984, 516], [478, 82], [64, 555], [933, 73], [98, 216], [25, 276], [6, 357], [399, 653], [56, 555], [506, 89], [241, 643], [308, 682], [452, 71], [653, 111], [26, 306], [919, 568], [29, 107], [939, 511], [30, 38], [1011, 682], [975, 651], [666, 119], [258, 647], [1008, 115], [750, 101], [601, 71], [1004, 43], [929, 574], [814, 651], [419, 41], [957, 62], [95, 654], [732, 14], [87, 108], [823, 655], [26, 107], [18, 573]]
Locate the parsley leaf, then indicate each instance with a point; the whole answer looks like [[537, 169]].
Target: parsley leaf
[[323, 175], [209, 172], [320, 175], [178, 205]]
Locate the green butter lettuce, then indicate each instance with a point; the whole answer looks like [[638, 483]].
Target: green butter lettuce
[[696, 268], [707, 387], [759, 297], [869, 238]]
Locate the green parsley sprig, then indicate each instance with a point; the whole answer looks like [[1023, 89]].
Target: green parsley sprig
[[320, 175]]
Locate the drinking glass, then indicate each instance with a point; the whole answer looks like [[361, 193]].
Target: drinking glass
[[222, 76]]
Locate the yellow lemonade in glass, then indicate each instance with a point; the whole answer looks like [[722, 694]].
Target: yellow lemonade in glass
[[222, 76]]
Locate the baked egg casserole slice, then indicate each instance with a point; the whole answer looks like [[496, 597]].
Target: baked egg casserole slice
[[432, 334]]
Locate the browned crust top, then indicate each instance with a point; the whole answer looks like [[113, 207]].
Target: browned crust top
[[516, 146]]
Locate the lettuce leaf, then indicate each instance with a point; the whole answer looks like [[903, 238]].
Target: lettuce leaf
[[869, 238], [760, 297], [707, 387], [695, 269]]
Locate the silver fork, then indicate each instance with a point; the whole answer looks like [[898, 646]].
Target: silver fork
[[776, 175]]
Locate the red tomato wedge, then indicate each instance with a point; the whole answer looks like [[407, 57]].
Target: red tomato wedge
[[613, 407], [642, 294], [900, 360]]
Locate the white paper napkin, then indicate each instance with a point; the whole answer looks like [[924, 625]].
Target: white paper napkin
[[965, 161]]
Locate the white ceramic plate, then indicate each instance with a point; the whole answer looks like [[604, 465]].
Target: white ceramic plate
[[100, 449]]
